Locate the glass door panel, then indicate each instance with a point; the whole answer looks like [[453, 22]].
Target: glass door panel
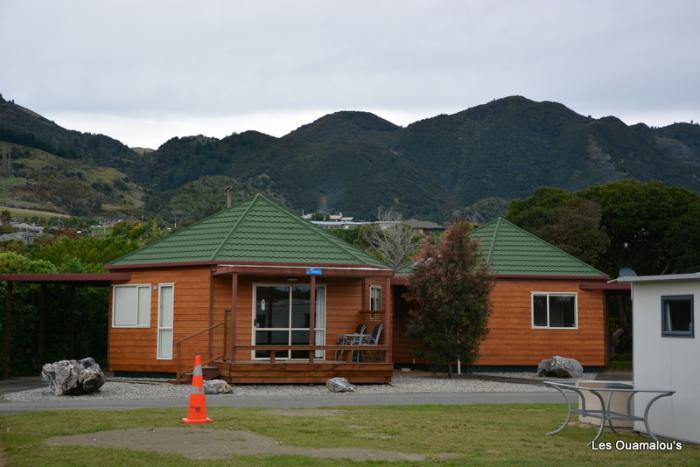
[[271, 338], [300, 338], [282, 318], [272, 307], [301, 296]]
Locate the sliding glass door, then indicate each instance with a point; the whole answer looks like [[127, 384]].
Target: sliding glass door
[[282, 318]]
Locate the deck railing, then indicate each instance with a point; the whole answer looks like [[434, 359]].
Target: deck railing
[[205, 341], [273, 349]]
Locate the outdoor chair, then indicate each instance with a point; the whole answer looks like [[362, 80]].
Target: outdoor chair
[[350, 339], [371, 339]]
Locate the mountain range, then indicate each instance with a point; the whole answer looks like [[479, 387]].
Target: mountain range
[[355, 162]]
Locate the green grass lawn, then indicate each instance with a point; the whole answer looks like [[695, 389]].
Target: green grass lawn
[[473, 434]]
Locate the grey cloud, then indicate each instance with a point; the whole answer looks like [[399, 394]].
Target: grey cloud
[[223, 57]]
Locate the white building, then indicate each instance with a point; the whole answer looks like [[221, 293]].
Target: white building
[[666, 352]]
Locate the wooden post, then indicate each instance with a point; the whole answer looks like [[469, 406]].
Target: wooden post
[[365, 295], [234, 300], [41, 325], [312, 320], [178, 358], [71, 322], [388, 320], [225, 349], [8, 331]]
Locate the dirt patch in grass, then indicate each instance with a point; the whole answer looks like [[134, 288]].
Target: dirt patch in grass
[[207, 443]]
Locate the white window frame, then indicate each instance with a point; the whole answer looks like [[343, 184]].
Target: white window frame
[[381, 297], [548, 294], [171, 328], [318, 355], [114, 307]]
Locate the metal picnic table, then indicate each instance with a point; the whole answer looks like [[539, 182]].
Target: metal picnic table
[[605, 414]]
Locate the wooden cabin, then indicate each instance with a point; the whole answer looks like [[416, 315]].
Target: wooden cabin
[[545, 302], [266, 297], [260, 293]]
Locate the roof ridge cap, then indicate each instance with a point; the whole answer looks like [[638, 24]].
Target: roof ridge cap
[[235, 225], [493, 239]]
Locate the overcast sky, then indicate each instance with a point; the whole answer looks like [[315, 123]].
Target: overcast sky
[[144, 71]]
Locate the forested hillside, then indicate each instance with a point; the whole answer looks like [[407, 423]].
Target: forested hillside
[[472, 162]]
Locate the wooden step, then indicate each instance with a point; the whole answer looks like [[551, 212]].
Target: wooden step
[[299, 372], [208, 372]]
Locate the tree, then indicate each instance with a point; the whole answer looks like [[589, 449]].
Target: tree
[[5, 217], [391, 239], [650, 227], [449, 292], [88, 254], [638, 217], [684, 238], [564, 219]]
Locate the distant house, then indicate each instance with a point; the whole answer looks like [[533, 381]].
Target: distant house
[[25, 237], [338, 221], [425, 227], [24, 227], [666, 351]]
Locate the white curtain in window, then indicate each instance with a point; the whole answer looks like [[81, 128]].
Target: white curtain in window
[[320, 320]]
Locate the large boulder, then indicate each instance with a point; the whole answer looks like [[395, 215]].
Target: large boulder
[[217, 386], [73, 377], [560, 367], [339, 385]]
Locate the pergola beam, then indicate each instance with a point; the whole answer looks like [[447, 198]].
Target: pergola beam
[[301, 271]]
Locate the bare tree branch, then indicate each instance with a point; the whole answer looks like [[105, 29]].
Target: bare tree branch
[[394, 240]]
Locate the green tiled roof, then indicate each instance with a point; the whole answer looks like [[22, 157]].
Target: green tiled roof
[[508, 249], [256, 231]]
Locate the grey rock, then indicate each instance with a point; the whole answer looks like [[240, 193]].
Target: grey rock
[[560, 367], [73, 377], [217, 386], [339, 385]]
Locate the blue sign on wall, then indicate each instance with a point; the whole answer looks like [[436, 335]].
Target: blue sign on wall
[[314, 271]]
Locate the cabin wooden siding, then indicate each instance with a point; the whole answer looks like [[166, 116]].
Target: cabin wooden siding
[[512, 341], [134, 349]]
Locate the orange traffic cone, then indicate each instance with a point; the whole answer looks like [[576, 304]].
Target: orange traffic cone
[[197, 410]]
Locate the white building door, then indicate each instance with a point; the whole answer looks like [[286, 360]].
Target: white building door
[[166, 298]]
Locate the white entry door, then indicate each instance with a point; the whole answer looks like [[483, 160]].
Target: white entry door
[[281, 317], [166, 298]]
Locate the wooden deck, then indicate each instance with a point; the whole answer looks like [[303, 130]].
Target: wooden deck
[[291, 371]]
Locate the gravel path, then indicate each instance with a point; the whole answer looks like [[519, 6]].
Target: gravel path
[[528, 375], [401, 384]]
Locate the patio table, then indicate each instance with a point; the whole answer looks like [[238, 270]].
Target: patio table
[[605, 414]]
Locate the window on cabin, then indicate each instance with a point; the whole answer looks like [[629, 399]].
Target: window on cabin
[[131, 306], [553, 310], [375, 298], [677, 316]]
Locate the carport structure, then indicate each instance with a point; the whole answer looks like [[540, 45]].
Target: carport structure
[[72, 281]]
